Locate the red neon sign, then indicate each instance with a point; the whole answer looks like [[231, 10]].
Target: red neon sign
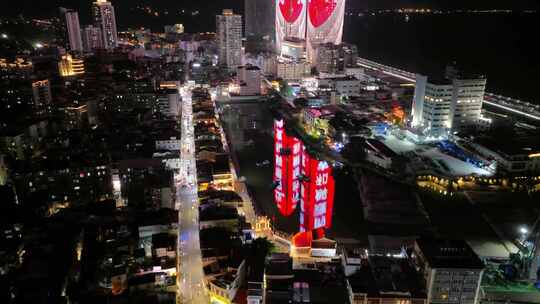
[[301, 178], [287, 163], [317, 194]]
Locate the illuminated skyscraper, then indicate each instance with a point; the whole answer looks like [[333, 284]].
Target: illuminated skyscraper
[[229, 35], [105, 19], [92, 38], [73, 30], [69, 66], [325, 23], [290, 20]]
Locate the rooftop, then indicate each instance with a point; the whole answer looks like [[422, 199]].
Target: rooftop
[[442, 253]]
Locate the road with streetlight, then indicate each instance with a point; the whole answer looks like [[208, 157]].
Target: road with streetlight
[[190, 279]]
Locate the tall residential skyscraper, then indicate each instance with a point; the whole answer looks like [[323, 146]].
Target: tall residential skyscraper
[[325, 24], [316, 21], [41, 90], [290, 21], [229, 35], [105, 19], [260, 25], [73, 30], [92, 38]]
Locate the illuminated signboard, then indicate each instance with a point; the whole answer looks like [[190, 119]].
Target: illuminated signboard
[[290, 20], [287, 163], [302, 178], [325, 20], [317, 194]]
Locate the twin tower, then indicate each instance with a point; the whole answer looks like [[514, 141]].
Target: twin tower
[[314, 21]]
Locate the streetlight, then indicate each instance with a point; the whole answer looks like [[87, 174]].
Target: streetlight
[[4, 36], [523, 230]]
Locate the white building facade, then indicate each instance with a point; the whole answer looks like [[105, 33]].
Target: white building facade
[[324, 24], [448, 105], [249, 78], [229, 36]]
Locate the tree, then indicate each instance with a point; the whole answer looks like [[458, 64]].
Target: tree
[[261, 248]]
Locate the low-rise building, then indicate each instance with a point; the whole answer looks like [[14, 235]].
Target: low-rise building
[[511, 155], [348, 86], [451, 270], [249, 79], [291, 70], [383, 279]]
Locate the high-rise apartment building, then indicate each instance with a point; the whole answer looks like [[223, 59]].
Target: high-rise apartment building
[[229, 36], [325, 24], [73, 30], [334, 58], [441, 106], [260, 27], [92, 38], [41, 91], [105, 19], [290, 20], [316, 21]]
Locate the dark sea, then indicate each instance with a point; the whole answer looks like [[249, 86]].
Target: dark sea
[[504, 47]]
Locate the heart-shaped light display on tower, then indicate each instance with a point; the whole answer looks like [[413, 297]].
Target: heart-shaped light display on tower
[[291, 9], [320, 11]]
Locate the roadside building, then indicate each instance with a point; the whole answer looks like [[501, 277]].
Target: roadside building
[[249, 79], [451, 270], [447, 105]]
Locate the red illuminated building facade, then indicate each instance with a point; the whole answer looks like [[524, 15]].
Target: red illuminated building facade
[[300, 178], [287, 162], [317, 194]]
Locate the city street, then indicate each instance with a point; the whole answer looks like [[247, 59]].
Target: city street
[[191, 288]]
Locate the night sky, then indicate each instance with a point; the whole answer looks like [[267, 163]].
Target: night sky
[[33, 7]]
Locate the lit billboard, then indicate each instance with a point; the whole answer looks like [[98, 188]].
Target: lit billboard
[[290, 20], [324, 23], [287, 163], [317, 194]]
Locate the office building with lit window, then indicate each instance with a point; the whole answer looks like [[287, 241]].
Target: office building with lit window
[[451, 270], [447, 105], [42, 93], [105, 19]]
